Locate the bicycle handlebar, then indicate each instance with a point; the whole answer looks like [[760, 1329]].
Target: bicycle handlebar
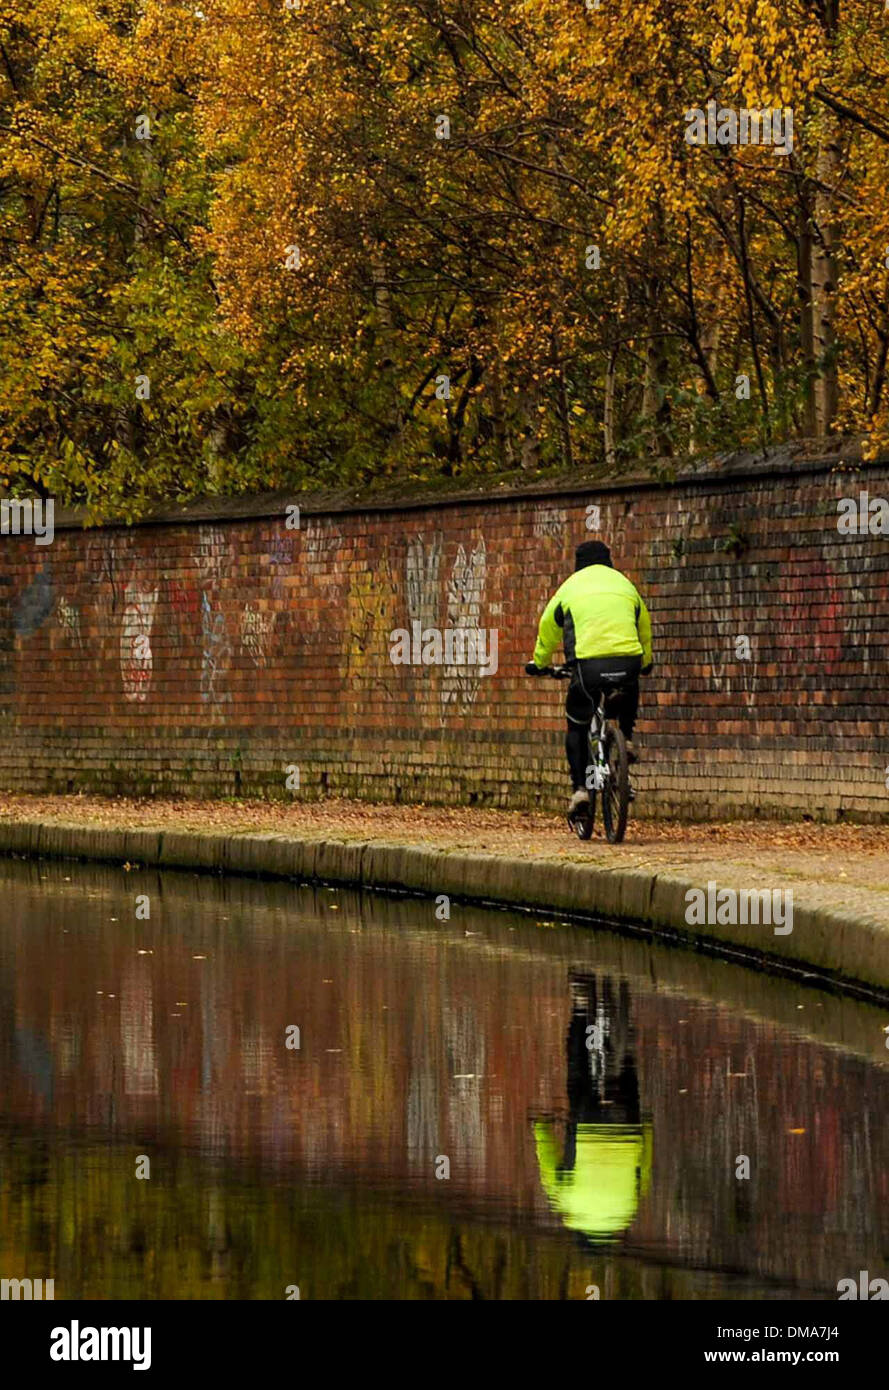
[[558, 673], [564, 673]]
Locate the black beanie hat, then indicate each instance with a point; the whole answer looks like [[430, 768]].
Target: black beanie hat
[[591, 553]]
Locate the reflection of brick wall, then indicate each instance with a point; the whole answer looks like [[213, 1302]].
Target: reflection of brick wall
[[204, 657], [417, 1040]]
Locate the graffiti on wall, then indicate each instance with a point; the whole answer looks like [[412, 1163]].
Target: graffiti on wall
[[465, 597], [68, 619], [422, 568], [549, 523], [734, 656], [216, 651], [35, 603], [320, 550], [865, 638], [212, 556], [280, 563], [256, 634], [213, 562], [184, 601], [185, 609], [103, 571], [136, 659], [814, 622], [371, 606]]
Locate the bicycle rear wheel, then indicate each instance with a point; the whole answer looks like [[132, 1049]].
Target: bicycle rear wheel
[[616, 792], [583, 820], [582, 824]]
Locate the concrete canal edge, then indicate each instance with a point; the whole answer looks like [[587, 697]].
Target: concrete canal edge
[[851, 947]]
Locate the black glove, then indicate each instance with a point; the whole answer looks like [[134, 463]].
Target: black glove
[[532, 670], [646, 669]]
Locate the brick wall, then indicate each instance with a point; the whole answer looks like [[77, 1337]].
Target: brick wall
[[204, 655]]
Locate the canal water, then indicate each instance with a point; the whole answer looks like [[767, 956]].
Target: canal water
[[346, 1096]]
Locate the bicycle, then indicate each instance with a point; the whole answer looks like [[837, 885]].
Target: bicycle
[[608, 771]]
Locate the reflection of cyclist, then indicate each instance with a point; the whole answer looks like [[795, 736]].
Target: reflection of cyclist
[[595, 1176], [605, 629]]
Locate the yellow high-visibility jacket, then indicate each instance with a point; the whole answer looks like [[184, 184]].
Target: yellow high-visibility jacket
[[596, 612], [600, 1195]]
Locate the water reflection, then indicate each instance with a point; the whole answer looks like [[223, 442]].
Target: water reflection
[[595, 1172], [592, 1095]]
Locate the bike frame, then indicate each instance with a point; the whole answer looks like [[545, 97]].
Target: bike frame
[[615, 789], [598, 768]]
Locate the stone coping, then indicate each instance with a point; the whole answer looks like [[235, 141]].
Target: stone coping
[[853, 949]]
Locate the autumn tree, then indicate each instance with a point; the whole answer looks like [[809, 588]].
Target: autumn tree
[[342, 241]]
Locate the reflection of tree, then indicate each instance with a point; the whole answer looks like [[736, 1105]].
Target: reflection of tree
[[195, 1231]]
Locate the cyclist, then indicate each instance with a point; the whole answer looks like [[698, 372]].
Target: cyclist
[[605, 631], [596, 1165]]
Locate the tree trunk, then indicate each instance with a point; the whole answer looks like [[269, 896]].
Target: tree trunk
[[824, 257], [608, 412], [502, 437], [879, 378], [387, 332], [824, 285], [655, 406], [564, 414], [804, 258], [530, 445]]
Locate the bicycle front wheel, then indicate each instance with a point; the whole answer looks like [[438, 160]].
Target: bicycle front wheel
[[616, 793]]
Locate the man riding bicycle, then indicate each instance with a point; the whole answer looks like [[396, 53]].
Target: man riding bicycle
[[605, 630]]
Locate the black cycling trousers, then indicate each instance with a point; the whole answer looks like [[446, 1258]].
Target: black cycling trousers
[[591, 676]]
